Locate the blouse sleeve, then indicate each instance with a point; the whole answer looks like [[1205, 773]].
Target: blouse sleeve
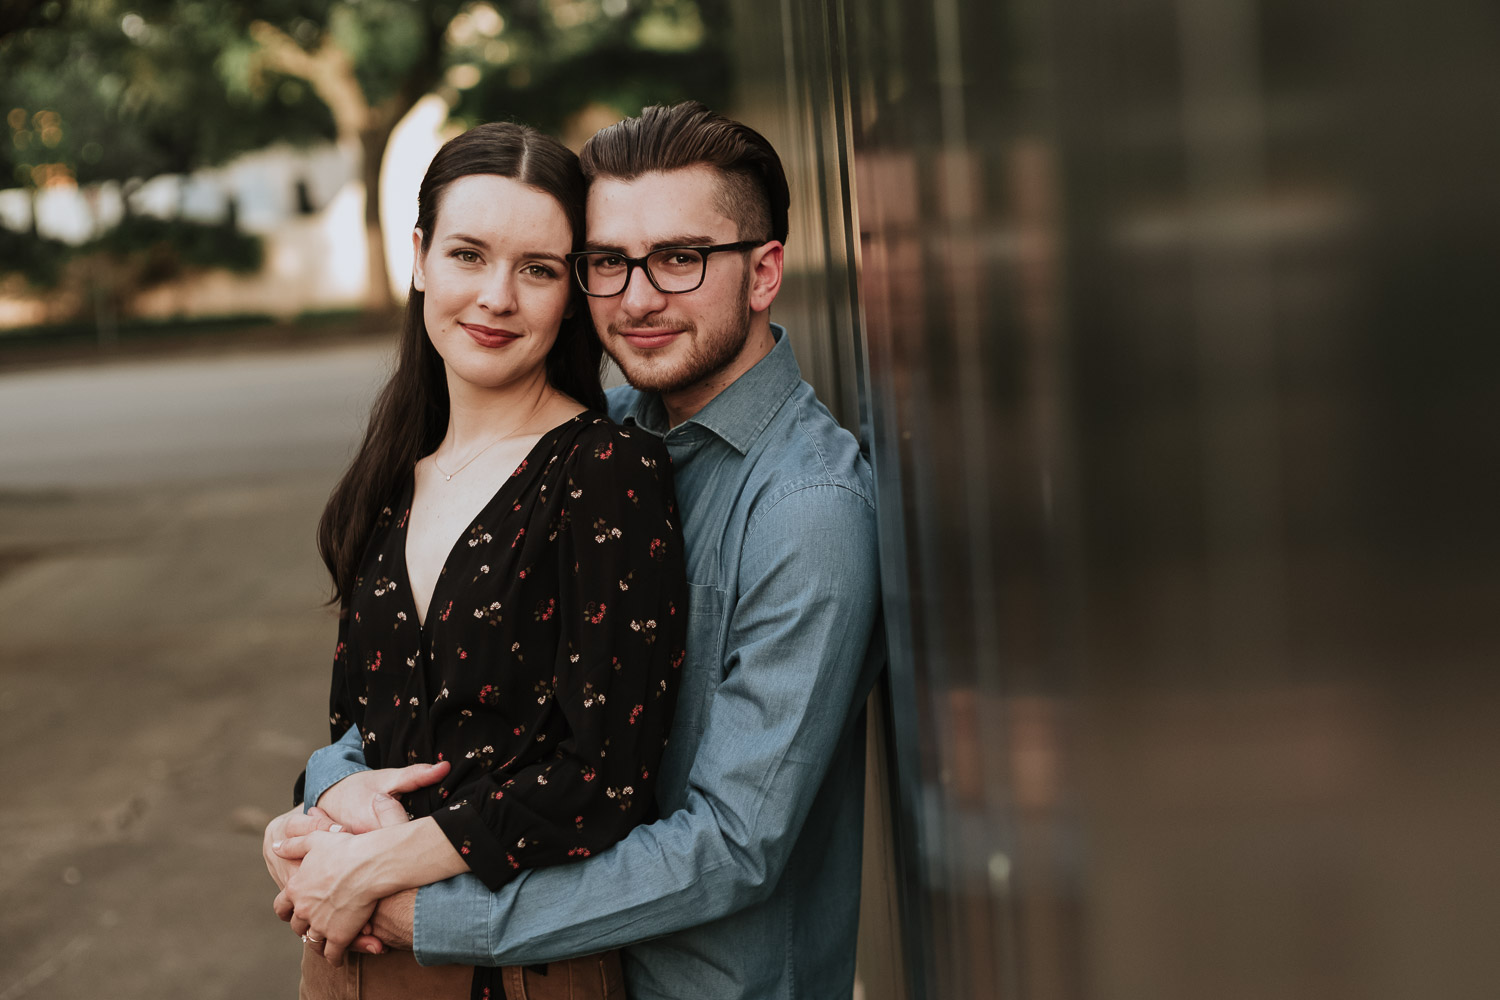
[[624, 607], [341, 714], [340, 707]]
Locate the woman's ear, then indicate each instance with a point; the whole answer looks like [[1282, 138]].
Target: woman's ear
[[418, 274]]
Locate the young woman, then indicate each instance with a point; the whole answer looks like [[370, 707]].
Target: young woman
[[509, 572]]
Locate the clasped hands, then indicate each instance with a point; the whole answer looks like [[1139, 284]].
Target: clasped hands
[[325, 862]]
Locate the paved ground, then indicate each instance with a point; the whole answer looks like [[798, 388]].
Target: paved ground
[[163, 662]]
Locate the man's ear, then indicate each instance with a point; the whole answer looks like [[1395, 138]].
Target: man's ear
[[766, 264], [418, 274]]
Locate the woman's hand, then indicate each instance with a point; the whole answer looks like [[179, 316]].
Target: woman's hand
[[292, 823], [342, 876], [331, 896], [363, 801]]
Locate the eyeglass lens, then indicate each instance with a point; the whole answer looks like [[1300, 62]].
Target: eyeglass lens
[[671, 270]]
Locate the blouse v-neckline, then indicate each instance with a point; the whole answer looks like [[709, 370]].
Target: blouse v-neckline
[[403, 528]]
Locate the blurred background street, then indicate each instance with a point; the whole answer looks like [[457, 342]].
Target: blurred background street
[[164, 661]]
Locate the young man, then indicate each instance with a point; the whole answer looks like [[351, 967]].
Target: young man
[[748, 886]]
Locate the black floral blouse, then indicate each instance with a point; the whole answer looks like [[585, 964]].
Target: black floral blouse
[[547, 669]]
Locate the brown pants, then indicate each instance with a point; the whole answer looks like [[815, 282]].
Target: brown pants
[[397, 976]]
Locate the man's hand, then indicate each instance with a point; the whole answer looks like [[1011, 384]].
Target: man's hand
[[394, 922], [292, 823], [366, 800]]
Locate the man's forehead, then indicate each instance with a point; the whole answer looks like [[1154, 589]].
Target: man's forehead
[[688, 199]]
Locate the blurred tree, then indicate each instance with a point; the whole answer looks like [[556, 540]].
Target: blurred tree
[[101, 90], [542, 61], [126, 89]]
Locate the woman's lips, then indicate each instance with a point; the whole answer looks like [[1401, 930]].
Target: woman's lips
[[486, 336]]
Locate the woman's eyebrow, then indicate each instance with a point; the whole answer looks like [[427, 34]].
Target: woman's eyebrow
[[466, 238], [484, 245]]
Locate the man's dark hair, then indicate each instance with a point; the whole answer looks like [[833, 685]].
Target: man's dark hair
[[669, 137]]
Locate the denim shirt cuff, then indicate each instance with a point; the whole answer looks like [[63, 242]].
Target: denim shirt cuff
[[326, 768], [450, 925]]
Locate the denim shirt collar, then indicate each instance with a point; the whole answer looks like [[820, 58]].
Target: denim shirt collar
[[742, 410]]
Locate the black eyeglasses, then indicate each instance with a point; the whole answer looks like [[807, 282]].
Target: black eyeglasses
[[671, 270]]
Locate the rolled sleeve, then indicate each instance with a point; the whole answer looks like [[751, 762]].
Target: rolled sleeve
[[331, 764]]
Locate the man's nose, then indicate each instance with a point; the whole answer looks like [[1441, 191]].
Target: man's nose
[[641, 298]]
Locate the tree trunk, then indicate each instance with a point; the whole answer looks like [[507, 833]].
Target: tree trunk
[[372, 143]]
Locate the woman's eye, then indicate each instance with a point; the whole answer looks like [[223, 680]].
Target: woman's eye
[[467, 256], [540, 271]]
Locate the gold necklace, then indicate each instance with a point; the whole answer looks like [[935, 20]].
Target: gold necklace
[[448, 476]]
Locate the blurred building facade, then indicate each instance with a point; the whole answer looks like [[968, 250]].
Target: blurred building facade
[[1169, 327]]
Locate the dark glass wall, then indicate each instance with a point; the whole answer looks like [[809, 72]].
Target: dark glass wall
[[1171, 328]]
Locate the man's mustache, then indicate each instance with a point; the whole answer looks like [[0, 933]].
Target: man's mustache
[[683, 327]]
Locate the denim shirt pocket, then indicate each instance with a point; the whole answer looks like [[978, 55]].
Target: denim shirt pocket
[[702, 670]]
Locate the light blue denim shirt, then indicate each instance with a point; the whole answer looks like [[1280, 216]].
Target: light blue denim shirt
[[748, 886]]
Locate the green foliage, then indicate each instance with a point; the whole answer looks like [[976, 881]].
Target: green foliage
[[37, 259], [616, 55], [173, 244], [153, 250], [112, 90]]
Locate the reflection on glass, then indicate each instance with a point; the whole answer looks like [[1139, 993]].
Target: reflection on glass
[[1170, 327]]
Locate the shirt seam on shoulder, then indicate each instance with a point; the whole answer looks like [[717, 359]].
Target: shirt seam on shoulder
[[812, 440], [793, 488], [772, 411]]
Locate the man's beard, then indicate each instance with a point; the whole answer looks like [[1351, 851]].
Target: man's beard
[[707, 355]]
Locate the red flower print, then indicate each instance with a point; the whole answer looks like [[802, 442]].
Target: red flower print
[[515, 541], [519, 469], [447, 611]]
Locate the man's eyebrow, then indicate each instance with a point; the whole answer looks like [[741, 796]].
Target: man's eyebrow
[[688, 240]]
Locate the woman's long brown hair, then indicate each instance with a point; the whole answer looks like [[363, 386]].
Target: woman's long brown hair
[[410, 414]]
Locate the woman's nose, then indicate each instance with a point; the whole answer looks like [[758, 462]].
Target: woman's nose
[[498, 293]]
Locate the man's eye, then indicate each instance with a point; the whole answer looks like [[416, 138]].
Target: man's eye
[[679, 258], [607, 262]]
